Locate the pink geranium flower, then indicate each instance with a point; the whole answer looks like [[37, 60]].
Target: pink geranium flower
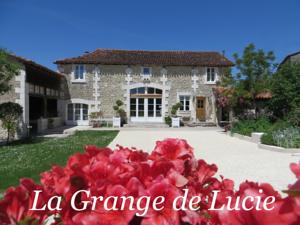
[[168, 171]]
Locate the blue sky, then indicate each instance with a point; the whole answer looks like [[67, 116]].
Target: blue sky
[[45, 31]]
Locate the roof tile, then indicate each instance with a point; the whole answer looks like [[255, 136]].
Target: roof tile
[[141, 57]]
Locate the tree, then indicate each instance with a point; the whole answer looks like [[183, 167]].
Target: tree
[[8, 69], [10, 112], [255, 69], [285, 88], [119, 111]]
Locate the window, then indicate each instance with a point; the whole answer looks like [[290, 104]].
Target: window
[[211, 74], [185, 102], [133, 107], [77, 112], [70, 112], [147, 71], [79, 72], [145, 90], [145, 107]]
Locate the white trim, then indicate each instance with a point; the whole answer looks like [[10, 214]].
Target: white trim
[[96, 88], [142, 70], [73, 80], [77, 101], [195, 79], [128, 73], [216, 75], [80, 121], [22, 91], [146, 77], [164, 89], [190, 100]]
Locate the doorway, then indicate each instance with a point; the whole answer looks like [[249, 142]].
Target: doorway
[[146, 104], [200, 108]]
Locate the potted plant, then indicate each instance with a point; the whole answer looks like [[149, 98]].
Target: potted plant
[[95, 118], [120, 115], [174, 117]]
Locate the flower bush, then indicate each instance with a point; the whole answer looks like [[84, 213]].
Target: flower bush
[[170, 168]]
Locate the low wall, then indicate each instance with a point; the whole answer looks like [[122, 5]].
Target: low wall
[[279, 149], [21, 131], [48, 123], [256, 138]]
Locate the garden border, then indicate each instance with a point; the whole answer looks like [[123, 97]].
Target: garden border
[[278, 149], [254, 140]]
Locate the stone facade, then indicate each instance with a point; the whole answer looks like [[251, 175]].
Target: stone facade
[[16, 94], [105, 84]]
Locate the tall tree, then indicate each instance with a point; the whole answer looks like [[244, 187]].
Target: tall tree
[[8, 69], [286, 91], [254, 68]]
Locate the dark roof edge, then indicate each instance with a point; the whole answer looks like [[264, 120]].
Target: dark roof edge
[[287, 57], [33, 64], [133, 64]]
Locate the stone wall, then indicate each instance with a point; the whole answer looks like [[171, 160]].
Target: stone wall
[[13, 95], [114, 81]]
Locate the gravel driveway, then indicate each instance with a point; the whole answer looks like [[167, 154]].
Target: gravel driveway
[[235, 158]]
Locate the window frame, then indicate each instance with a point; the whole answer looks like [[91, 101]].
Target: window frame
[[146, 75], [209, 75], [81, 109], [74, 74], [184, 106]]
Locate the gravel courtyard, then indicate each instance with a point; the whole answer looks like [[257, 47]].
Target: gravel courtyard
[[235, 158]]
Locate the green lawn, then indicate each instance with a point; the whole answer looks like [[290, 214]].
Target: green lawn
[[29, 159]]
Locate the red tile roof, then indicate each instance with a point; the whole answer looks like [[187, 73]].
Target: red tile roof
[[264, 95], [141, 57], [267, 94]]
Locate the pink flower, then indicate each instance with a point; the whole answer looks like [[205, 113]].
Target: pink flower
[[168, 171], [14, 208]]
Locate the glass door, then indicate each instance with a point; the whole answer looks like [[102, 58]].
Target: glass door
[[146, 104]]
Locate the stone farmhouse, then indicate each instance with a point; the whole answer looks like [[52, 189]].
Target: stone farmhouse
[[148, 82]]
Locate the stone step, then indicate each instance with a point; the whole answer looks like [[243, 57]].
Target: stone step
[[147, 125], [201, 124]]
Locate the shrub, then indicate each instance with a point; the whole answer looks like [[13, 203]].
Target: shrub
[[285, 90], [10, 112], [294, 117], [287, 138], [96, 115], [267, 139], [120, 112], [168, 120], [247, 126], [175, 108]]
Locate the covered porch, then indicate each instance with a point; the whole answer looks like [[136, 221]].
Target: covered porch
[[43, 97]]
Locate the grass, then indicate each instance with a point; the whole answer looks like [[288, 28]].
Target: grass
[[30, 158]]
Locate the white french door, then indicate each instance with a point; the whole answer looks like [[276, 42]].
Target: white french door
[[77, 114], [145, 109]]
